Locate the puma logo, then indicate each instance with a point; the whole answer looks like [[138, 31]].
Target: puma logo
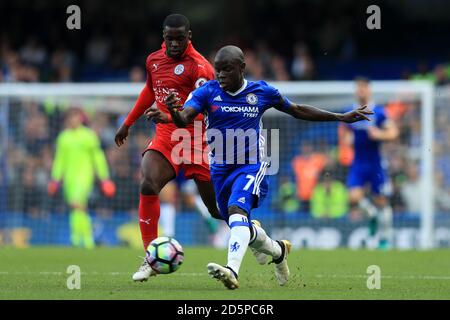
[[145, 221]]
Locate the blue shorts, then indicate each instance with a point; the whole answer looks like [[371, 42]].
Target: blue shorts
[[360, 175], [244, 186]]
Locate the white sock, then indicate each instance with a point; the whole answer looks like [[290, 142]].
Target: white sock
[[167, 219], [238, 242], [263, 243], [385, 223], [368, 207]]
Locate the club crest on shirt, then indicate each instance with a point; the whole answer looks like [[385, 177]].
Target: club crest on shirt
[[252, 98], [179, 69], [200, 82]]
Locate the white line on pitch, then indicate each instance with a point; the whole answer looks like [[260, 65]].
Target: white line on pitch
[[386, 277], [58, 273], [194, 274]]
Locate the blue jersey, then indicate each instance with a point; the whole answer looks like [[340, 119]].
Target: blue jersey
[[367, 151], [367, 166], [233, 120]]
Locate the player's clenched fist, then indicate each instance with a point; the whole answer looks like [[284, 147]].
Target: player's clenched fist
[[156, 115]]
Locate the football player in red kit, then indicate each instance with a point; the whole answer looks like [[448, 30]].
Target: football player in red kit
[[177, 67]]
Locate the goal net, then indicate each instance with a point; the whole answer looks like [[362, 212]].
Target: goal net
[[308, 197]]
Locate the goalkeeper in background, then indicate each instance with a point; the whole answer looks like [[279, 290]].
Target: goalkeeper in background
[[78, 158]]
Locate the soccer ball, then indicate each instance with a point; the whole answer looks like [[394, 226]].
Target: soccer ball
[[165, 255]]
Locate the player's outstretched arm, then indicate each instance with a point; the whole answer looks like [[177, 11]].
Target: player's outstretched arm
[[310, 113], [181, 118], [145, 100]]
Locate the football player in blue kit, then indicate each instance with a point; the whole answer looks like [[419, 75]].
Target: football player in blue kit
[[233, 108], [368, 166]]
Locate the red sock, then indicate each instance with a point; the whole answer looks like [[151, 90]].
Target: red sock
[[148, 218]]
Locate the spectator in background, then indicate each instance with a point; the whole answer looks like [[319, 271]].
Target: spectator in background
[[98, 50], [264, 54], [302, 65], [442, 196], [411, 190], [34, 52], [36, 130], [32, 194], [440, 75], [307, 167], [128, 186], [329, 198], [279, 70], [15, 70], [62, 64], [287, 200], [102, 127], [136, 74], [254, 69], [423, 72], [395, 155]]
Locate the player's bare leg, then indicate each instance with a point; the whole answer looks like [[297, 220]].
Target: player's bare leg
[[156, 173], [206, 191]]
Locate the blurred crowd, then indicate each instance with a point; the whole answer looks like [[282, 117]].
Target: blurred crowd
[[34, 62]]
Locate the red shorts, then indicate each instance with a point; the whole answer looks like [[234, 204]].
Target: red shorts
[[198, 169]]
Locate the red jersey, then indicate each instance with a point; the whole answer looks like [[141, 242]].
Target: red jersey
[[182, 76]]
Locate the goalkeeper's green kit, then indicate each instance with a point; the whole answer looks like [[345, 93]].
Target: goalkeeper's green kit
[[78, 157]]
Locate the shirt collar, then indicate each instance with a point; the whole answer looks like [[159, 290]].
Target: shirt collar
[[244, 85]]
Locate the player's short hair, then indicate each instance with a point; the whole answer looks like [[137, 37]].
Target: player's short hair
[[366, 80], [176, 21]]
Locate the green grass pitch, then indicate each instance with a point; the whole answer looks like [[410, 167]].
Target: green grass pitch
[[41, 273]]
